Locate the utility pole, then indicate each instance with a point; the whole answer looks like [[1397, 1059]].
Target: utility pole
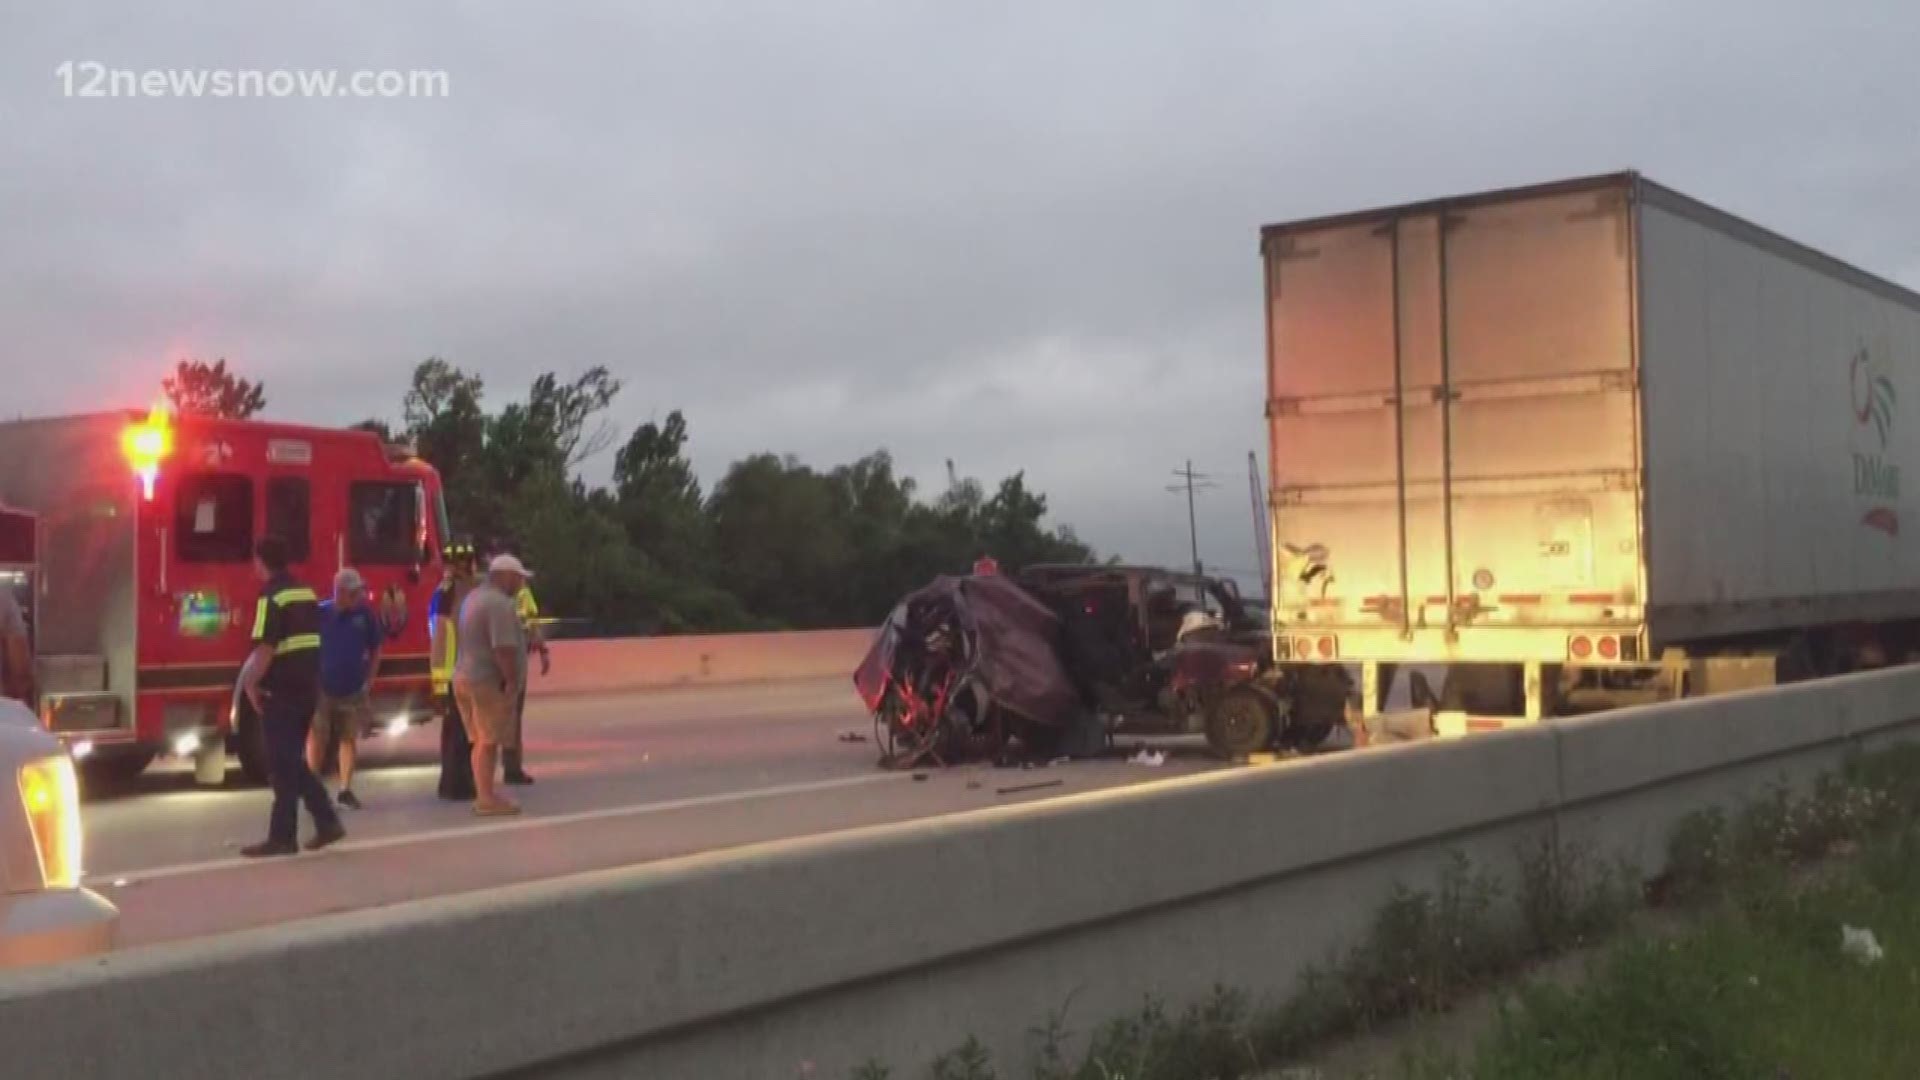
[[1190, 482]]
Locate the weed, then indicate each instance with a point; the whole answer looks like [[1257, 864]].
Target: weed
[[1566, 900], [969, 1062], [871, 1069]]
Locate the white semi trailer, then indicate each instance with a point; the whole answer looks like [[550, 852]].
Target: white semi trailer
[[1586, 444]]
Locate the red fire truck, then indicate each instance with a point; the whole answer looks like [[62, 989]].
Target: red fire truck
[[141, 590]]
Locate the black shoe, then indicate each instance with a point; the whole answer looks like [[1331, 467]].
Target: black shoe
[[349, 800], [268, 849], [327, 834], [520, 778]]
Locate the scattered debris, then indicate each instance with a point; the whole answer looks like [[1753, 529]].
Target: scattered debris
[[1061, 760], [1152, 759], [852, 736], [919, 776], [1017, 788], [1861, 945]]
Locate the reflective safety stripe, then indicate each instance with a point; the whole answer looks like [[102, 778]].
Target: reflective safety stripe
[[295, 595], [297, 643], [260, 619]]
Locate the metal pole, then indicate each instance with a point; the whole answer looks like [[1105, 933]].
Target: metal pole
[[1193, 525]]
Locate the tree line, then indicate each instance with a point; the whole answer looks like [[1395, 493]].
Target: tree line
[[775, 543]]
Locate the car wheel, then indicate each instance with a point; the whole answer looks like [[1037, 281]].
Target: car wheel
[[1241, 722]]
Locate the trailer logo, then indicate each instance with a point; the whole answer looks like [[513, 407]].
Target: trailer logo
[[1875, 479]]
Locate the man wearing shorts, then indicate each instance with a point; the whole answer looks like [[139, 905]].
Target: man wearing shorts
[[488, 673], [350, 636]]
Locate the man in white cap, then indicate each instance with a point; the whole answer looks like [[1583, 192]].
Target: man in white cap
[[350, 638], [488, 673]]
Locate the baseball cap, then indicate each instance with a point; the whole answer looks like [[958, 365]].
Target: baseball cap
[[507, 564], [347, 579]]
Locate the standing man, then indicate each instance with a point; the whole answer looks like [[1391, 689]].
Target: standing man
[[488, 674], [16, 655], [350, 639], [443, 615], [281, 681], [512, 756]]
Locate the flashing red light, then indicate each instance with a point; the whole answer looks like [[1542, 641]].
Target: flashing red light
[[146, 444], [1581, 648]]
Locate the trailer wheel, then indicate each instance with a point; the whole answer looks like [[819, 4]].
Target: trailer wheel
[[1319, 704], [1241, 722], [250, 742]]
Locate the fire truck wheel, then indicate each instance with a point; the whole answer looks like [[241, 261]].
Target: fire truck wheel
[[112, 772], [250, 744]]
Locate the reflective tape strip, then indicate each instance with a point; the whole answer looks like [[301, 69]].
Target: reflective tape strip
[[297, 643], [260, 619], [295, 595]]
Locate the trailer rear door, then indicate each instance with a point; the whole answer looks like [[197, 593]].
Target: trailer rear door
[[1453, 425]]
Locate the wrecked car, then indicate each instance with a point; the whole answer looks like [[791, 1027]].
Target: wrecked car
[[966, 665], [961, 668]]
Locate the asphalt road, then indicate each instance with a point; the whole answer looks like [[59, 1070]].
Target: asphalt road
[[621, 780]]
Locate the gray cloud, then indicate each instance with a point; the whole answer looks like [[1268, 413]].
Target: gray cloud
[[1014, 235]]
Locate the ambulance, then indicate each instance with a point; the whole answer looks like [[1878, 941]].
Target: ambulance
[[136, 571]]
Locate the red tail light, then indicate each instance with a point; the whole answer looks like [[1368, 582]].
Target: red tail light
[[1609, 648], [1580, 648], [1328, 648]]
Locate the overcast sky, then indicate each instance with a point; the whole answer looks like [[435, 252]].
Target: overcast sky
[[1016, 235]]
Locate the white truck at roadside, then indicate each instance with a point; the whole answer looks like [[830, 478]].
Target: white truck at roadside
[[45, 916], [1583, 445]]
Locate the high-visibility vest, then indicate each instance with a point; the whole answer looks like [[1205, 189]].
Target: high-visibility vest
[[443, 616]]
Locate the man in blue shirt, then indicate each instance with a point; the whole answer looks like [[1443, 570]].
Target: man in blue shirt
[[350, 636]]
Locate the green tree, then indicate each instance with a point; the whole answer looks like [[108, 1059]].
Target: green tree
[[197, 388], [657, 498], [442, 415], [777, 533]]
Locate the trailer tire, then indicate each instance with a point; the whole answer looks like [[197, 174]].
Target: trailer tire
[[249, 743], [1319, 705], [1242, 722]]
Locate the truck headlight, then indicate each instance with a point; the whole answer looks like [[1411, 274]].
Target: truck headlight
[[51, 795]]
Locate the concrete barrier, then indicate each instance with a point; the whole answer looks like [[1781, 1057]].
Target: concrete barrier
[[617, 664], [805, 957]]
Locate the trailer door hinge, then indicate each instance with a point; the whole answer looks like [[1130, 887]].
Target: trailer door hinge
[[1623, 380]]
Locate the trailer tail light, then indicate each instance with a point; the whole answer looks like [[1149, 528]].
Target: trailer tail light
[[1328, 648], [1605, 646]]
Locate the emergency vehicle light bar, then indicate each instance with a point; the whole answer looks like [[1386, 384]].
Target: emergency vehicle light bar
[[146, 444]]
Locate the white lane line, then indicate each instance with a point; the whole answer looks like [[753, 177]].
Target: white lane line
[[515, 824]]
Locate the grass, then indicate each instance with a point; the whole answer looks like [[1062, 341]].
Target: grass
[[1761, 989]]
